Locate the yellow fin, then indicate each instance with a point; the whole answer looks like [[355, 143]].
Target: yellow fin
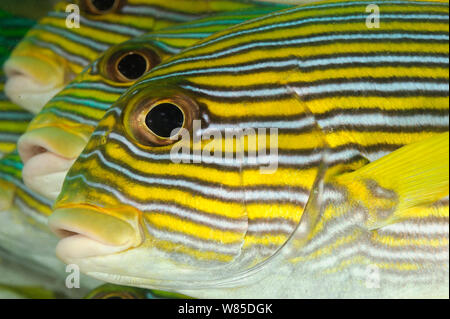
[[416, 174]]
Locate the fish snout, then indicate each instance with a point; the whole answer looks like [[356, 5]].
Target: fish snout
[[86, 231], [47, 154], [32, 82]]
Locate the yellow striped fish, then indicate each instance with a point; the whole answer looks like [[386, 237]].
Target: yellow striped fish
[[56, 50], [152, 205], [13, 119], [58, 134], [13, 122], [71, 117]]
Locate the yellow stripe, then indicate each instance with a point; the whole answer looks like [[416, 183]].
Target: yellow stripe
[[311, 51], [290, 212], [328, 104], [352, 72], [177, 248], [170, 223], [184, 198]]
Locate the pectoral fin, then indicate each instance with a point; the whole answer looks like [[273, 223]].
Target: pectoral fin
[[414, 175]]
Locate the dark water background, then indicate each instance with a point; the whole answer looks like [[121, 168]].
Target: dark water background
[[27, 8]]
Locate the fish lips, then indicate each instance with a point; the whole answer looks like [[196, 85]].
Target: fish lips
[[91, 232], [48, 153], [26, 84]]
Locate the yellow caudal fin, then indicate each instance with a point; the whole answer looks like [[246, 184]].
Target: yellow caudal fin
[[414, 175]]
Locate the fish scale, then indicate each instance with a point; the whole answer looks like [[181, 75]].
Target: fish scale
[[305, 70]]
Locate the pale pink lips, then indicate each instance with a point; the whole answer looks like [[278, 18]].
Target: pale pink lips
[[48, 153], [87, 233], [32, 82], [45, 173]]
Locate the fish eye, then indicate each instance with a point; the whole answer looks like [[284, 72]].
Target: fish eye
[[164, 118], [131, 65], [101, 6], [159, 122]]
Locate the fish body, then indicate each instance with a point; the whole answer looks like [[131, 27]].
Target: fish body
[[342, 96], [56, 49]]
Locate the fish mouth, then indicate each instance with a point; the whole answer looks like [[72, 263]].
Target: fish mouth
[[47, 154], [32, 82], [87, 231]]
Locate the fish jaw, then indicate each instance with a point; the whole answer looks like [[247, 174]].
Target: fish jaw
[[32, 81], [47, 154], [108, 244], [87, 232]]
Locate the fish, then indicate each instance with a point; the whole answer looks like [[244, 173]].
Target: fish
[[360, 119], [13, 119], [55, 50], [58, 133], [18, 231], [13, 123], [25, 239], [71, 116]]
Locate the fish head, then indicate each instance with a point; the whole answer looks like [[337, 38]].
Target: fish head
[[163, 219], [53, 52], [58, 134], [183, 169]]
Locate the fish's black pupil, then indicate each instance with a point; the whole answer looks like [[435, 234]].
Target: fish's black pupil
[[132, 66], [164, 118], [103, 5]]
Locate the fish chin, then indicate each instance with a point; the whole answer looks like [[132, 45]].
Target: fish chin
[[143, 267]]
